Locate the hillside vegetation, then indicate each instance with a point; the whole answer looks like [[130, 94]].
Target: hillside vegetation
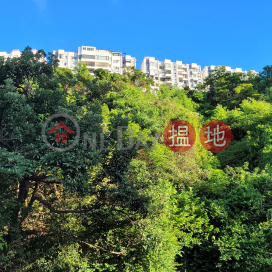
[[141, 209]]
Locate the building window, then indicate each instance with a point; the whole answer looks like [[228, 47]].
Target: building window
[[161, 67], [90, 49], [87, 56], [115, 61], [60, 56], [152, 64], [84, 48], [115, 54], [102, 58]]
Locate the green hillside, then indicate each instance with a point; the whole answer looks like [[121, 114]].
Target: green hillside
[[138, 209]]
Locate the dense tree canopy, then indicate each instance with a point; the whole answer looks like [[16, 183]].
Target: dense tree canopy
[[141, 209]]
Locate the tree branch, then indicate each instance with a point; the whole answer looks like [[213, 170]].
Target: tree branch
[[101, 248], [35, 177], [33, 195], [41, 178]]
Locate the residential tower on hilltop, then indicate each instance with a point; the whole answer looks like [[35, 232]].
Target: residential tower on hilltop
[[174, 73], [94, 58], [208, 69], [162, 72]]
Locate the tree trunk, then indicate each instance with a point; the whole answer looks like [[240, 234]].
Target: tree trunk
[[22, 196]]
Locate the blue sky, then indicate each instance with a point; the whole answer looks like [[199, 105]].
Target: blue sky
[[234, 33]]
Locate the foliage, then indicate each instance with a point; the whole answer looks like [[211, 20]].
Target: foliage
[[139, 209], [227, 89]]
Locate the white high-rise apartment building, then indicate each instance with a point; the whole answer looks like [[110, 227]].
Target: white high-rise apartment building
[[174, 73], [114, 62], [15, 53], [209, 69], [162, 72]]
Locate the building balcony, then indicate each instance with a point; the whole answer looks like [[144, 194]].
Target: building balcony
[[167, 75], [182, 66], [108, 68], [167, 68], [195, 72], [103, 61], [86, 58], [180, 70], [92, 67], [89, 64]]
